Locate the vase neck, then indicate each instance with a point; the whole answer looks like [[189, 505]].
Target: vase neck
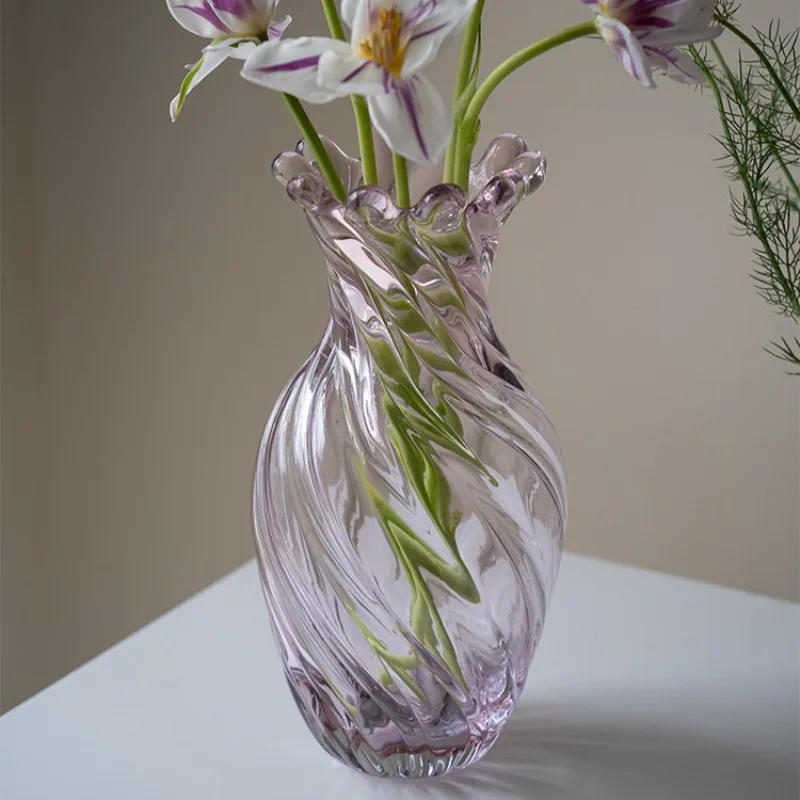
[[407, 294]]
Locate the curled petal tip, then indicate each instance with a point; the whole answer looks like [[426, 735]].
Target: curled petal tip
[[648, 35]]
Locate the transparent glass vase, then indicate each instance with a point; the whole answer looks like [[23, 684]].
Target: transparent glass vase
[[409, 500]]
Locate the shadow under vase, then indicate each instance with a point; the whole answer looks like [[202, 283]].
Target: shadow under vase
[[552, 752]]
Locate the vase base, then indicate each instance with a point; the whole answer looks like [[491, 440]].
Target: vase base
[[384, 747], [410, 764], [389, 754]]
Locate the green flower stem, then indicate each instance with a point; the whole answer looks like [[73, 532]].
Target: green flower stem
[[426, 622], [366, 145], [766, 63], [401, 664], [462, 80], [416, 429], [333, 19], [318, 150], [405, 386], [402, 193], [469, 125], [454, 147], [468, 50]]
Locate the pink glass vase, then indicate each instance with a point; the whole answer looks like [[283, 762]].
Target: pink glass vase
[[409, 500]]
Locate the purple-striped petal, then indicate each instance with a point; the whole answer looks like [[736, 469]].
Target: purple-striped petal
[[413, 119], [419, 12], [643, 15], [628, 50], [426, 26], [674, 37], [424, 45], [678, 65], [360, 16], [644, 34], [672, 13], [214, 18], [198, 17], [349, 73], [292, 66], [210, 60], [277, 29], [246, 16], [240, 48], [433, 32], [416, 12], [392, 40], [422, 16]]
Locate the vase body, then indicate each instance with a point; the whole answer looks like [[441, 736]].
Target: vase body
[[409, 499]]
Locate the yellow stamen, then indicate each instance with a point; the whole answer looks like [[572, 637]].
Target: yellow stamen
[[385, 44]]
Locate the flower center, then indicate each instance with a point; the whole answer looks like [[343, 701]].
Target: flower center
[[386, 44], [613, 10], [607, 10]]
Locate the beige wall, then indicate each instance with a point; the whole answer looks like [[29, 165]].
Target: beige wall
[[24, 654], [162, 290]]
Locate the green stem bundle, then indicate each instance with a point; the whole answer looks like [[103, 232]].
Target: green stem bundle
[[468, 102], [317, 148], [402, 193], [468, 65], [468, 127]]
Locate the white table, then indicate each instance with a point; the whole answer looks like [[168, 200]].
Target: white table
[[645, 687]]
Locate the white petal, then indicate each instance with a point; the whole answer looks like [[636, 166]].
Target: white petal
[[360, 16], [627, 49], [614, 8], [704, 12], [434, 12], [688, 13], [291, 66], [278, 28], [209, 61], [214, 18], [243, 17], [677, 65], [435, 24], [419, 53], [349, 8], [267, 8], [674, 37], [265, 11], [377, 5], [240, 48], [348, 73], [414, 120], [424, 44], [199, 17], [419, 10]]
